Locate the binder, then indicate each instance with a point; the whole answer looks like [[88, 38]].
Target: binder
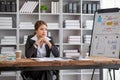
[[84, 8], [70, 7], [13, 6], [3, 4], [94, 7], [8, 6], [74, 8], [89, 8]]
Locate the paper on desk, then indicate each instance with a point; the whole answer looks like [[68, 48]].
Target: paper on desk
[[86, 58], [49, 59]]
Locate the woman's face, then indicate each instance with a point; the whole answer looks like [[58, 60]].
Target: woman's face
[[42, 31]]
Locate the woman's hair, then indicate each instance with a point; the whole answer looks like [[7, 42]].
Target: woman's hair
[[39, 23]]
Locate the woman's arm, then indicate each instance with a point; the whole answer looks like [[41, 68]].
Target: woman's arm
[[54, 48], [30, 50]]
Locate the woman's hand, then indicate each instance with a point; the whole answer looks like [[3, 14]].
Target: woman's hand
[[43, 40]]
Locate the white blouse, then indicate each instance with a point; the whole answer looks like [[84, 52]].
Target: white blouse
[[41, 51]]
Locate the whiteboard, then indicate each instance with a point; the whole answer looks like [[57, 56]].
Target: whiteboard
[[106, 33]]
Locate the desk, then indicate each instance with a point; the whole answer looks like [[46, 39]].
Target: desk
[[30, 64]]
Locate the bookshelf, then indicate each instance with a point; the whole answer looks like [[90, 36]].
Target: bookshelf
[[65, 18]]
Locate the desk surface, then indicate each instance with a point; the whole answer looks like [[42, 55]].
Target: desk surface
[[92, 62]]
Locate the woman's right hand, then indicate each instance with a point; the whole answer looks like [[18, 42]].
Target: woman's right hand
[[39, 42]]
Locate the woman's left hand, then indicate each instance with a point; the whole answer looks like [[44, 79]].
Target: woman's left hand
[[44, 40]]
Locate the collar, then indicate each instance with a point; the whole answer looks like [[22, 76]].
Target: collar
[[35, 38]]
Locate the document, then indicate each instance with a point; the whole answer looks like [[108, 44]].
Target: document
[[50, 59]]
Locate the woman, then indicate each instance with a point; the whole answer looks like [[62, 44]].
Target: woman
[[37, 46]]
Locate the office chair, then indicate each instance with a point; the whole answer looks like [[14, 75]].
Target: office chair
[[24, 77], [54, 77]]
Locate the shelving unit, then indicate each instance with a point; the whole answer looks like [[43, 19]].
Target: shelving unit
[[60, 33]]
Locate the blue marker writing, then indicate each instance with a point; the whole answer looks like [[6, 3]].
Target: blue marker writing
[[99, 19]]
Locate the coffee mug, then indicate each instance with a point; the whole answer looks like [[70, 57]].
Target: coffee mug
[[18, 54]]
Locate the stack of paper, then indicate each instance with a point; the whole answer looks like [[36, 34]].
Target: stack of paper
[[74, 39], [26, 25], [49, 59], [87, 39], [72, 24], [8, 40], [71, 53], [6, 50], [28, 6], [89, 24], [5, 22]]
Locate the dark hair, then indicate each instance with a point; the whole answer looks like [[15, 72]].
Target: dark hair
[[39, 23]]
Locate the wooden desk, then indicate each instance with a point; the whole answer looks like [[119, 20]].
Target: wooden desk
[[30, 64], [94, 62], [105, 62]]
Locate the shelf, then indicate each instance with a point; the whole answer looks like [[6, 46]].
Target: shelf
[[53, 28], [25, 29], [71, 44], [86, 44], [60, 32], [49, 13], [8, 12], [78, 14], [88, 14], [71, 29], [8, 28], [79, 73], [29, 13], [8, 73], [91, 0], [8, 44], [86, 29]]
